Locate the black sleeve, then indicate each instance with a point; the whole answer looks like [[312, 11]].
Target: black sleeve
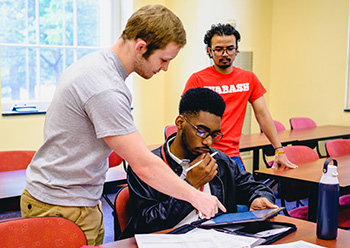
[[152, 210], [246, 188]]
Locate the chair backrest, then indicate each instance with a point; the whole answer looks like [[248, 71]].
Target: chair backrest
[[297, 154], [338, 147], [301, 122], [279, 126], [41, 232], [122, 212], [15, 160], [300, 154], [169, 130], [114, 160]]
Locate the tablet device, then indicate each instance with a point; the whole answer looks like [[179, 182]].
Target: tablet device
[[242, 217]]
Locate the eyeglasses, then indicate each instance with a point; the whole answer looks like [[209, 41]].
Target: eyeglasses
[[216, 136], [219, 51]]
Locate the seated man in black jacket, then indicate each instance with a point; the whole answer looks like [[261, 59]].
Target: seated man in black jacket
[[198, 126]]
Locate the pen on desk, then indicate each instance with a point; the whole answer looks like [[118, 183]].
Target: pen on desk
[[191, 167]]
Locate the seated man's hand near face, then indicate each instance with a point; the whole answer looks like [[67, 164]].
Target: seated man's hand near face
[[204, 172], [261, 203]]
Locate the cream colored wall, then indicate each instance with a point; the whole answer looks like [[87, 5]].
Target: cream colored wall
[[253, 19], [308, 60], [21, 132], [149, 99]]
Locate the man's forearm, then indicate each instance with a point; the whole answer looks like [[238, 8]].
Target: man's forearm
[[153, 171]]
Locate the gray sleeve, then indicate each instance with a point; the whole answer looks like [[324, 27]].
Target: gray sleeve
[[110, 113]]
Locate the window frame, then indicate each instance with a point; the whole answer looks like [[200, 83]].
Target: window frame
[[110, 29]]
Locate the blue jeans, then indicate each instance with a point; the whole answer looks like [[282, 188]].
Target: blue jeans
[[239, 162], [240, 208]]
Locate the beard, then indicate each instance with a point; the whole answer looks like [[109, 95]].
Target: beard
[[142, 73], [142, 67], [224, 65], [186, 146]]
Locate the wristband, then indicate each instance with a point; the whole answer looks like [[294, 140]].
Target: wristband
[[279, 152], [278, 147]]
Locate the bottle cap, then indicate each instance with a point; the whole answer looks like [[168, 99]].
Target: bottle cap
[[332, 171], [331, 176], [328, 160]]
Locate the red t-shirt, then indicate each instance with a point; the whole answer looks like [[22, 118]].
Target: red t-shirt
[[236, 88]]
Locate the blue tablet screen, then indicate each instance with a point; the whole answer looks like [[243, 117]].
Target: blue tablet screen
[[241, 216]]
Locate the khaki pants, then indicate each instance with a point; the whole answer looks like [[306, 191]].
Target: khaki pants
[[90, 219]]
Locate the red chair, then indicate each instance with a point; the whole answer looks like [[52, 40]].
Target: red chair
[[339, 147], [301, 123], [115, 160], [270, 151], [279, 126], [296, 192], [41, 232], [169, 130], [15, 160], [122, 212], [292, 191]]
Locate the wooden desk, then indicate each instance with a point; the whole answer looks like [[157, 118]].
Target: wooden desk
[[12, 184], [305, 231], [310, 174], [258, 141]]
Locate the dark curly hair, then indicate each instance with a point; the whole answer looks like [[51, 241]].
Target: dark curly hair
[[202, 99], [221, 30]]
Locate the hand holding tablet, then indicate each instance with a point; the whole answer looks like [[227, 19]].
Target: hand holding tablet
[[242, 217]]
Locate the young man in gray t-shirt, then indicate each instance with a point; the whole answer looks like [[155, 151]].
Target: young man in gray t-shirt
[[89, 117]]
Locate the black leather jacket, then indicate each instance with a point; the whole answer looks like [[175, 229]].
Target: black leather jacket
[[154, 211]]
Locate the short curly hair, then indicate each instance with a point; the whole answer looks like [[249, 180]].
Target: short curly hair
[[221, 30], [201, 99]]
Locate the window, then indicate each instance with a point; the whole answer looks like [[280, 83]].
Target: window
[[40, 38]]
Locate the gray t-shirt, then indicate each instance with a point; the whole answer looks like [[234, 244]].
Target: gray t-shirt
[[91, 102]]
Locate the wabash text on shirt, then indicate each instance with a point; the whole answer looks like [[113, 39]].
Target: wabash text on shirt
[[224, 89]]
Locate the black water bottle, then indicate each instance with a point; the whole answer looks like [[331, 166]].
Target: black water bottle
[[328, 202]]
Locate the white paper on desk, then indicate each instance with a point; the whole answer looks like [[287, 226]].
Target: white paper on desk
[[296, 244], [200, 238], [229, 240]]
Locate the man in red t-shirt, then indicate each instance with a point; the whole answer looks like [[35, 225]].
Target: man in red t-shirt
[[237, 87]]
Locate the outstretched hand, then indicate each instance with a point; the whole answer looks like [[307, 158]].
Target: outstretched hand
[[281, 159], [261, 203], [208, 205]]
